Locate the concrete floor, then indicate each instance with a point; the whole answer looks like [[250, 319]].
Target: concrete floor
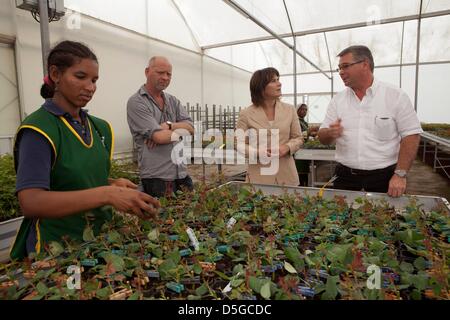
[[421, 179]]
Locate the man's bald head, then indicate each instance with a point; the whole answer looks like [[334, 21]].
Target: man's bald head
[[158, 73], [157, 60]]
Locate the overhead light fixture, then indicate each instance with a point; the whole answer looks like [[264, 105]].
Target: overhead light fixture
[[56, 8]]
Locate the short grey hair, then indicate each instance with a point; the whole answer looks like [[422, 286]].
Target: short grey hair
[[154, 58], [359, 53]]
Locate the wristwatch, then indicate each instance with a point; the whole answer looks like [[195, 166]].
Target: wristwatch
[[401, 173], [169, 123]]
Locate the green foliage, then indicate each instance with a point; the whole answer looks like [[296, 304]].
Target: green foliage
[[439, 129], [289, 246], [315, 144], [9, 205], [331, 288], [124, 169]]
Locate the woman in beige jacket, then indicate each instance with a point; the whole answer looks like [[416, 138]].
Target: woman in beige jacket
[[271, 119]]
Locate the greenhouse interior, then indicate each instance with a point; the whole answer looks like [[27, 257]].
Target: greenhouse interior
[[233, 150]]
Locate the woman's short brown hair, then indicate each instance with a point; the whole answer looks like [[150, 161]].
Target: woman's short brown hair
[[260, 79]]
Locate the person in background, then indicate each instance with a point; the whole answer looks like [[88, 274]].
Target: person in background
[[302, 111], [268, 112], [63, 156], [374, 126], [157, 120], [303, 165]]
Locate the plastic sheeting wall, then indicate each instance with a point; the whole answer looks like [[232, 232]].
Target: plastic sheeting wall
[[195, 24], [433, 99], [123, 56]]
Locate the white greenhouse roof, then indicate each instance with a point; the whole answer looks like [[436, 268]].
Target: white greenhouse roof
[[221, 30]]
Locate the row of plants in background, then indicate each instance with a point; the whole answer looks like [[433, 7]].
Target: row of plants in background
[[439, 129], [124, 169], [316, 144], [230, 243], [9, 205]]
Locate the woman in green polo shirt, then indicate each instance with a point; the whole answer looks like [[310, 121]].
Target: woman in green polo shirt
[[62, 158]]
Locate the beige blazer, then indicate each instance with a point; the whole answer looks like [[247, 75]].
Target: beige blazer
[[286, 120]]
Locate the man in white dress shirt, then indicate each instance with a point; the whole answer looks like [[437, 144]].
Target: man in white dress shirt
[[374, 126]]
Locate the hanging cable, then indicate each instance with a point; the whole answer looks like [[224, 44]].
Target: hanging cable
[[52, 16]]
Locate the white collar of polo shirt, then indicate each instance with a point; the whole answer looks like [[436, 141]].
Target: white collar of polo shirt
[[370, 92], [373, 88]]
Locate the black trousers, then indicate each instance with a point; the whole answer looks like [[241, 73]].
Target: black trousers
[[161, 188], [367, 180]]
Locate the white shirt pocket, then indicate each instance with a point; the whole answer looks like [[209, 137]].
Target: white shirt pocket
[[385, 128]]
